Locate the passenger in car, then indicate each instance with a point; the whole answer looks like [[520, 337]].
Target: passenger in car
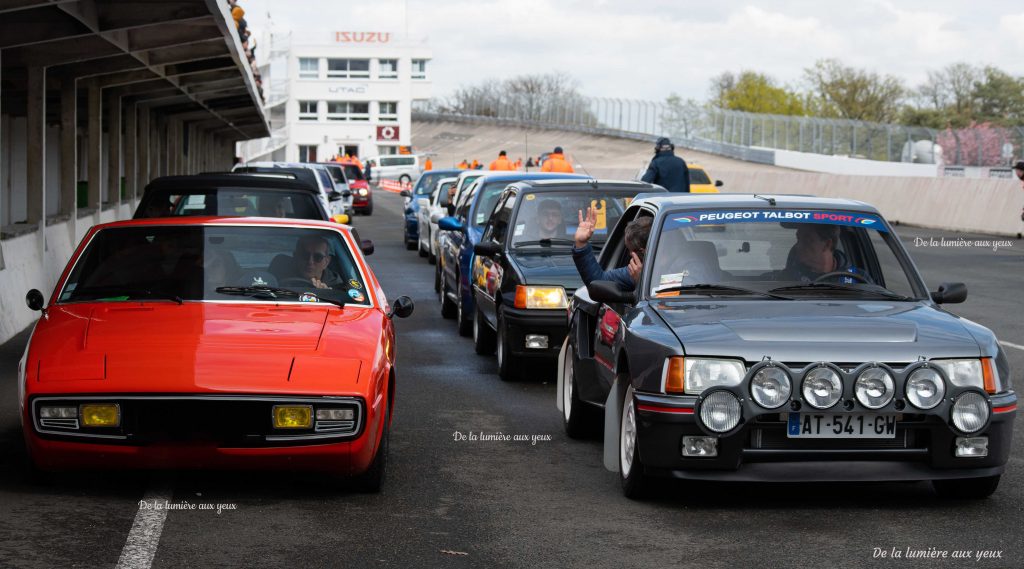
[[635, 237]]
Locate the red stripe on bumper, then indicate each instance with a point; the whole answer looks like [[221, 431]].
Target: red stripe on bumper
[[1006, 409], [659, 409]]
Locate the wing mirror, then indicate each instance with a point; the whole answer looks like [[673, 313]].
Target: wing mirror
[[449, 223], [718, 184], [366, 246], [405, 194], [607, 292], [346, 193], [341, 218], [486, 248], [436, 217], [950, 293], [35, 300], [402, 308], [334, 196]]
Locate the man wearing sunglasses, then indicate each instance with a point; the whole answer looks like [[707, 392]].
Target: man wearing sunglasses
[[311, 257]]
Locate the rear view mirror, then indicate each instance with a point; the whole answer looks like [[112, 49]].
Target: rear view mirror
[[35, 300], [402, 308], [366, 246], [346, 193], [487, 248], [950, 293], [340, 218], [718, 184], [405, 194], [608, 292], [335, 196], [449, 223]]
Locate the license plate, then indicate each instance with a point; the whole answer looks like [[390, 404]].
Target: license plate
[[846, 426]]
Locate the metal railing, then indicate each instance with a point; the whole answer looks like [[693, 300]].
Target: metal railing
[[748, 136]]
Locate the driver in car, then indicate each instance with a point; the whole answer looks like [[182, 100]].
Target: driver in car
[[815, 255], [311, 257]]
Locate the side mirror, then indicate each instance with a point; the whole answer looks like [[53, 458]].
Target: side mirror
[[402, 308], [340, 218], [334, 196], [405, 194], [608, 292], [35, 300], [487, 248], [950, 293], [436, 217], [346, 193], [449, 223], [366, 246], [718, 184]]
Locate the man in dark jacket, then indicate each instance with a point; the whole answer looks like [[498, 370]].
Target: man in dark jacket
[[666, 169], [590, 270]]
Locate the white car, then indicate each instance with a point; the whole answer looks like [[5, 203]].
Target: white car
[[432, 209], [466, 179], [336, 197], [405, 168]]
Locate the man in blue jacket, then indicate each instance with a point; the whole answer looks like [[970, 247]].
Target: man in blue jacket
[[666, 169], [636, 235]]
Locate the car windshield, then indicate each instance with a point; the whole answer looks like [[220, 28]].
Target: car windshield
[[792, 253], [427, 182], [337, 174], [550, 218], [216, 262], [230, 203], [698, 176], [353, 172]]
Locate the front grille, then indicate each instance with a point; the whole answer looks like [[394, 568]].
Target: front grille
[[767, 436]]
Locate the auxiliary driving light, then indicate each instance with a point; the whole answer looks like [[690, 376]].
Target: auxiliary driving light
[[335, 414], [293, 416], [970, 412], [822, 388], [100, 415], [971, 447], [925, 388], [536, 342], [58, 412], [770, 387], [700, 446], [874, 388], [720, 411]]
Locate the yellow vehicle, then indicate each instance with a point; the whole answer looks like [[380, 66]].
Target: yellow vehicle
[[700, 182]]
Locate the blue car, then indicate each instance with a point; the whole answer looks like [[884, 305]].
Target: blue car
[[424, 186], [460, 232]]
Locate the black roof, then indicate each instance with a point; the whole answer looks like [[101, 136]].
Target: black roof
[[286, 181], [561, 184]]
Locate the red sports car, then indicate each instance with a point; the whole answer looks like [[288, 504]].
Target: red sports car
[[202, 342]]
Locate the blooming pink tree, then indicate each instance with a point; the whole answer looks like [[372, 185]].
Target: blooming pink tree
[[980, 144]]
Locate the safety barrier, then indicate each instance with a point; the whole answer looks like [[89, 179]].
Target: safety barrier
[[393, 186]]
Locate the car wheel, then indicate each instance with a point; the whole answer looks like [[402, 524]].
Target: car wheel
[[967, 488], [448, 308], [437, 278], [463, 319], [578, 418], [405, 179], [505, 368], [483, 336], [368, 210], [411, 245], [372, 480], [631, 470]]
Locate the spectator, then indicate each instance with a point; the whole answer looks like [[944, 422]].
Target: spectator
[[1018, 169], [464, 165], [237, 13], [502, 163], [529, 162], [556, 162], [369, 171], [428, 165], [666, 169], [475, 165], [519, 163]]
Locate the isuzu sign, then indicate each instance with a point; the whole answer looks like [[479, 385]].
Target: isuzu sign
[[387, 133], [362, 37]]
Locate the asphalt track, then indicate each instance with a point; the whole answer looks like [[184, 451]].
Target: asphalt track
[[449, 503]]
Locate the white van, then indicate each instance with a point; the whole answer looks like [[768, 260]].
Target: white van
[[405, 168]]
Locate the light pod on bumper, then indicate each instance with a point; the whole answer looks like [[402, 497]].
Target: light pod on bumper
[[293, 416], [822, 387], [925, 388], [970, 412], [100, 414], [771, 387], [874, 387], [720, 411]]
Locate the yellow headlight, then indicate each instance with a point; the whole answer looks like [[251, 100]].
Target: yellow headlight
[[293, 416], [100, 415], [540, 297]]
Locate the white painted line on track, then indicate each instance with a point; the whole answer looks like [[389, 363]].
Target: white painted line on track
[[1009, 345], [140, 549]]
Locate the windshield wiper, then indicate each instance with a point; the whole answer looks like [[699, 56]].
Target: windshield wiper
[[116, 292], [711, 289], [547, 242], [836, 286], [272, 293]]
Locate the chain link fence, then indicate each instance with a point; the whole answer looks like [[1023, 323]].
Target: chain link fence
[[743, 135]]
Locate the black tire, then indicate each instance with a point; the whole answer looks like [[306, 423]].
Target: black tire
[[507, 371], [405, 179], [431, 258], [419, 249], [410, 245], [437, 277], [484, 339], [966, 488], [465, 321], [635, 484], [448, 308], [579, 419], [372, 480], [368, 210]]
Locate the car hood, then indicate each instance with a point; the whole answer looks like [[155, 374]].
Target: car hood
[[552, 269], [202, 347], [808, 331]]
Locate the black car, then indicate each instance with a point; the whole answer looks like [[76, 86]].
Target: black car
[[782, 339], [235, 195], [523, 274]]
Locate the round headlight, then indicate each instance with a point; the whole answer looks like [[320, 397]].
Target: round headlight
[[720, 411], [874, 388], [970, 412], [770, 387], [925, 388], [822, 388]]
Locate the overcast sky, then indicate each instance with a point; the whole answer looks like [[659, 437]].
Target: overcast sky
[[647, 49]]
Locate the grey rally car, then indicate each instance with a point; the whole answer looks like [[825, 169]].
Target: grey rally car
[[782, 338]]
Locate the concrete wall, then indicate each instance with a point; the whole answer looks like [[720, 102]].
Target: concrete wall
[[851, 166]]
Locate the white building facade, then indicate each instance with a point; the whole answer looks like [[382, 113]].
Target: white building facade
[[341, 93]]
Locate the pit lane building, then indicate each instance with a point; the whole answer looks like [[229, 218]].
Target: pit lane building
[[97, 97], [340, 92]]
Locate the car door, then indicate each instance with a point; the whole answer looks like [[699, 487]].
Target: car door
[[488, 270]]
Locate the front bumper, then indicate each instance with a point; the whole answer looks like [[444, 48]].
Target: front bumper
[[412, 228], [759, 449], [521, 322]]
